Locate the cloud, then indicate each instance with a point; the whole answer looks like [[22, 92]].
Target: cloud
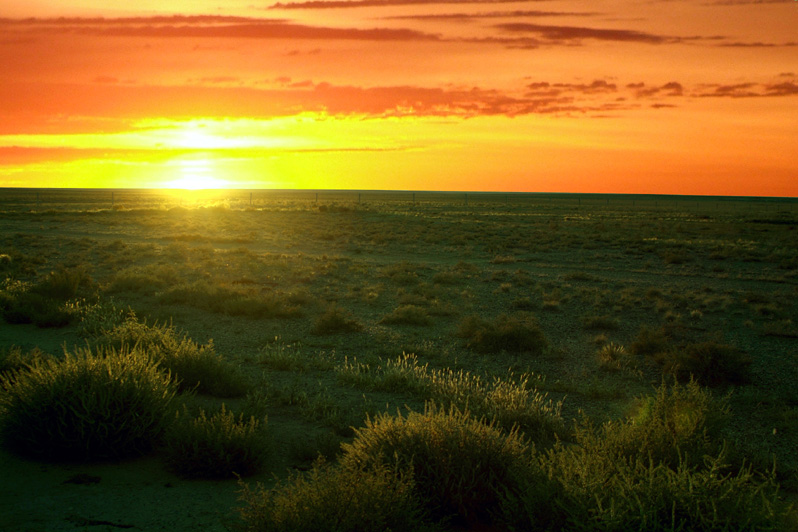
[[490, 14], [213, 27], [578, 33], [672, 88]]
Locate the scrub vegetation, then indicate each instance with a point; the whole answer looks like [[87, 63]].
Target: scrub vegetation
[[522, 363]]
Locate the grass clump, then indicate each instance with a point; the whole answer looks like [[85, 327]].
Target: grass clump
[[709, 363], [223, 300], [216, 446], [462, 467], [505, 333], [336, 320], [408, 315], [192, 366], [510, 403], [614, 357], [664, 469], [91, 405], [335, 499]]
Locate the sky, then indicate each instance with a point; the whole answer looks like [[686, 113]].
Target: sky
[[623, 96]]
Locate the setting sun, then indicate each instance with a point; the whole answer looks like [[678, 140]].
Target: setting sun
[[196, 174]]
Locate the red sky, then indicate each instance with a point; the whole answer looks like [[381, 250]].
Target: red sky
[[663, 96]]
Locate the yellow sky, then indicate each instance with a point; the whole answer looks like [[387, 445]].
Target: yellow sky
[[667, 96]]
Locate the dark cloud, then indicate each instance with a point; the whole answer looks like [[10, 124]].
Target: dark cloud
[[749, 90], [491, 14], [578, 33], [757, 44], [671, 88]]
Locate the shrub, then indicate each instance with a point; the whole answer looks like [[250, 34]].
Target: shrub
[[335, 499], [504, 333], [336, 320], [462, 467], [644, 495], [614, 356], [650, 342], [13, 360], [678, 423], [709, 363], [88, 406], [63, 285], [663, 470], [218, 446], [192, 366], [600, 323], [509, 403], [223, 300], [408, 315], [28, 307]]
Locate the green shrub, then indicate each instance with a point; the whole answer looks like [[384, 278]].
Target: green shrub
[[408, 315], [644, 495], [13, 360], [650, 342], [606, 323], [709, 363], [192, 366], [335, 499], [665, 469], [510, 403], [222, 300], [63, 285], [88, 406], [219, 446], [504, 333], [462, 467], [336, 320], [28, 307], [614, 357]]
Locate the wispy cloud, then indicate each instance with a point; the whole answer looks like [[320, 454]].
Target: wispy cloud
[[579, 33], [213, 27]]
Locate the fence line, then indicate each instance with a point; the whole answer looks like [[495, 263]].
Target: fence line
[[57, 199]]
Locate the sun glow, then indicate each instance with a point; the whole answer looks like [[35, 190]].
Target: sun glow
[[197, 174]]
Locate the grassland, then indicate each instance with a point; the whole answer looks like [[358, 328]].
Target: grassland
[[322, 318]]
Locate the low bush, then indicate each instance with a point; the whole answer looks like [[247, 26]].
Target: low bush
[[27, 307], [462, 467], [709, 363], [336, 320], [408, 315], [63, 285], [665, 469], [614, 357], [505, 333], [219, 446], [223, 300], [650, 342], [510, 403], [335, 499], [91, 405], [192, 366]]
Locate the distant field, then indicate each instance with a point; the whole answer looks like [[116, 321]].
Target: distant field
[[320, 299]]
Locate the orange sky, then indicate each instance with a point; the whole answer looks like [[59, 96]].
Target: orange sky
[[662, 96]]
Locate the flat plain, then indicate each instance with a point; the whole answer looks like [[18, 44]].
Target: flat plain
[[319, 299]]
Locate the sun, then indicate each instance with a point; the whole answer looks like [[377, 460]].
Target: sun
[[197, 173]]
